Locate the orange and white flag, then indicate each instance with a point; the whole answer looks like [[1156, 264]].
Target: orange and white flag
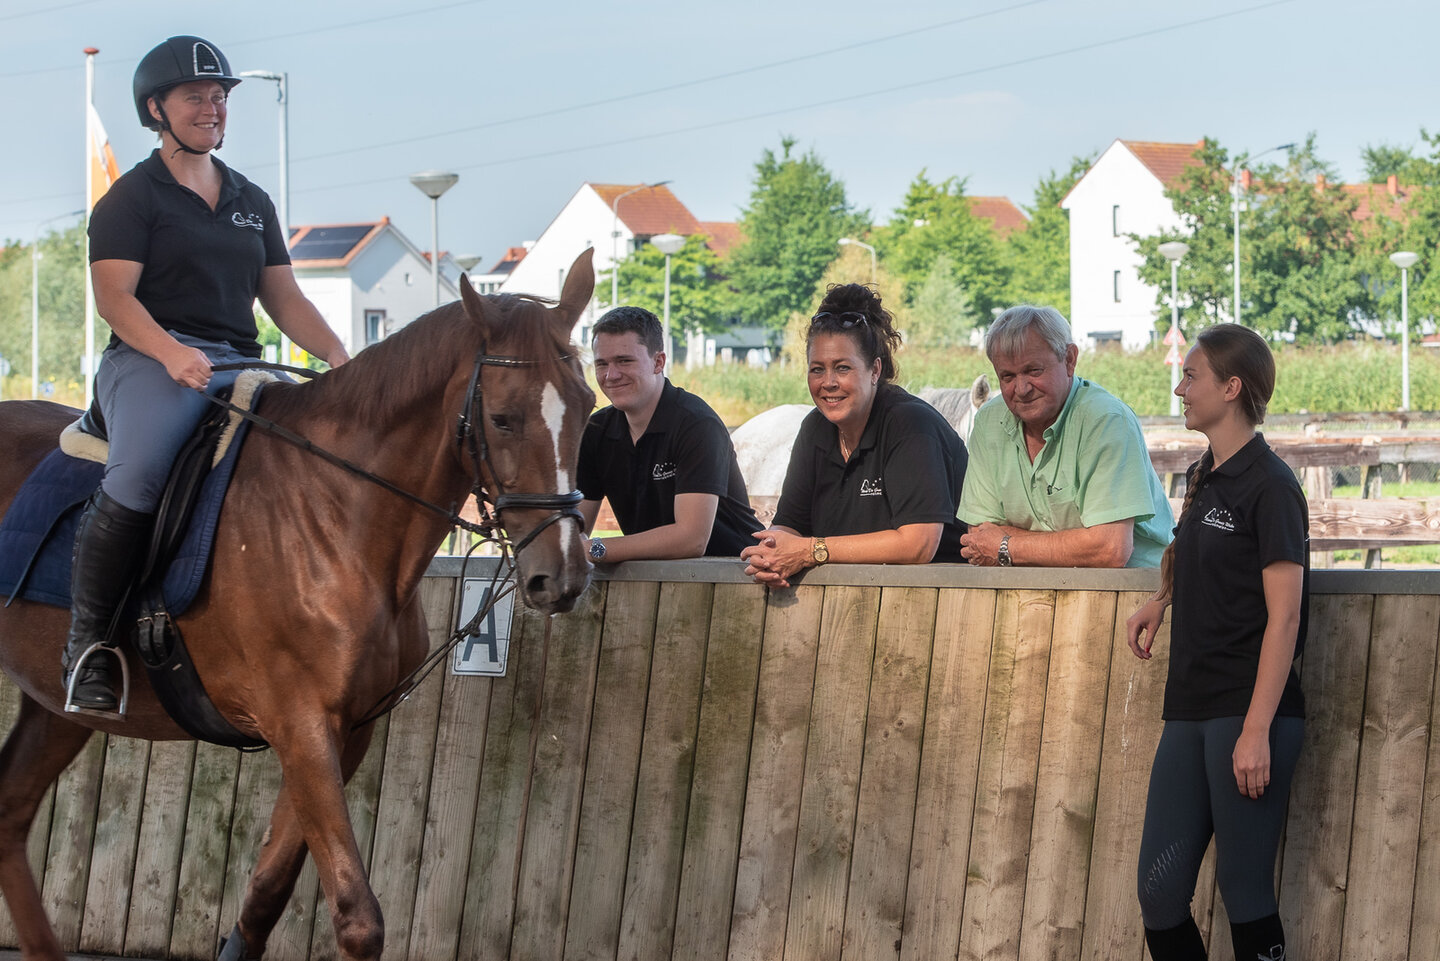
[[103, 170]]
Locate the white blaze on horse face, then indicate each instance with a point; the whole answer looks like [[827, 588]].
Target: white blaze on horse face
[[552, 408]]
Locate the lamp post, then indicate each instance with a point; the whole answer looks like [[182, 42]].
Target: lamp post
[[281, 80], [1404, 259], [433, 183], [35, 301], [615, 237], [668, 244], [1235, 193], [847, 241], [1172, 252]]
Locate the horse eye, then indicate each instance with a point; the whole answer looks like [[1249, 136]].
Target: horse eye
[[502, 423]]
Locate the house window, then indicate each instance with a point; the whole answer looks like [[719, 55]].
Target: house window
[[1116, 285], [1115, 223], [374, 326]]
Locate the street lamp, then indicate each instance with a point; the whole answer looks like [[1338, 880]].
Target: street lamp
[[615, 237], [1173, 251], [1235, 193], [847, 241], [1404, 260], [282, 97], [668, 244], [35, 301], [433, 183]]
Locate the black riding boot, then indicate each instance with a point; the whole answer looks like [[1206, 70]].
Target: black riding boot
[[108, 545]]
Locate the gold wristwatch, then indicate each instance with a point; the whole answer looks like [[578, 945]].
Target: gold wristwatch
[[819, 553]]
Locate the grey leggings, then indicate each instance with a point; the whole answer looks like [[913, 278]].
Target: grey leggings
[[1192, 796], [148, 417]]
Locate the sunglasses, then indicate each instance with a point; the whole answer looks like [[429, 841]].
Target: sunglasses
[[845, 318]]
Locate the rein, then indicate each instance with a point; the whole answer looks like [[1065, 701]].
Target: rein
[[471, 441]]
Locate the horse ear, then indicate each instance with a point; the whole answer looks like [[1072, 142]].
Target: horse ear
[[579, 284], [474, 303]]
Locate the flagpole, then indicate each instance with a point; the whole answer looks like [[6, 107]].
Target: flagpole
[[88, 367]]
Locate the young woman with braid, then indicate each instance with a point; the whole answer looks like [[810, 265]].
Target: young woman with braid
[[1237, 574]]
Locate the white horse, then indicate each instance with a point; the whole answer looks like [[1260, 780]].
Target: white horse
[[762, 443]]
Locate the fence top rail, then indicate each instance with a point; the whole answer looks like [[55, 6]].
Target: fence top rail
[[720, 570]]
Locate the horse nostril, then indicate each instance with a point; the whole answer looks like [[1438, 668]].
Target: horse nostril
[[538, 587]]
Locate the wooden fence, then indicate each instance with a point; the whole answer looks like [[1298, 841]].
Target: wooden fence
[[911, 763]]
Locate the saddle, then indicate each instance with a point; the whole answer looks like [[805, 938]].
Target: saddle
[[40, 526]]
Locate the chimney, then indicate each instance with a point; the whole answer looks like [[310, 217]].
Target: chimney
[[1392, 185], [1245, 179], [1319, 183]]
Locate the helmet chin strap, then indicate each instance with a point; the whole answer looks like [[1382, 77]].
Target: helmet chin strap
[[165, 126]]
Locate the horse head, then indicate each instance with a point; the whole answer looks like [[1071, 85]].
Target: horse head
[[529, 405]]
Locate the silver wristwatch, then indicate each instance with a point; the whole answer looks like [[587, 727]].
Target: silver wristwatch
[[1004, 553], [597, 550]]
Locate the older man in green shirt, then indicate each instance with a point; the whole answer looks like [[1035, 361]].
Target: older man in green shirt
[[1059, 474]]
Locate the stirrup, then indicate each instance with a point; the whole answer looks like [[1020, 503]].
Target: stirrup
[[105, 649]]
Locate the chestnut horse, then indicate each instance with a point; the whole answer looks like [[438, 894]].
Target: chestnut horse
[[310, 615]]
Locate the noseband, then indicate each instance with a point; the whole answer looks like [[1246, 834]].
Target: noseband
[[470, 438]]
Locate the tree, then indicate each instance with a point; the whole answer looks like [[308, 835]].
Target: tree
[[797, 212], [936, 219], [697, 292], [940, 313], [62, 312], [1417, 229], [851, 267], [1040, 254]]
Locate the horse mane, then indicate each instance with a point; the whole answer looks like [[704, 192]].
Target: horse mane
[[405, 368]]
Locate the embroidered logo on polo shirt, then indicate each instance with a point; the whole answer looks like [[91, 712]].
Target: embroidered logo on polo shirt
[[663, 471], [1219, 519], [872, 487], [247, 220]]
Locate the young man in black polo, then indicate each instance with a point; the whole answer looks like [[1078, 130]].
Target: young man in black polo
[[661, 455]]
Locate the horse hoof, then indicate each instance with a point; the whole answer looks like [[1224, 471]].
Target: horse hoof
[[232, 947]]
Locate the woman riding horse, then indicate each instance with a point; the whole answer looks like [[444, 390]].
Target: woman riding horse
[[180, 248]]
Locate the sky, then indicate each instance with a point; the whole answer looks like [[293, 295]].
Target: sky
[[527, 101]]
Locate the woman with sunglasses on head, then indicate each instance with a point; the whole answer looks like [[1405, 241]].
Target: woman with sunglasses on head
[[181, 247], [1237, 574], [875, 473]]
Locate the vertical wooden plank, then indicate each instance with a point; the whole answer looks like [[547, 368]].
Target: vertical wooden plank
[[722, 753], [551, 824], [201, 886], [1389, 789], [826, 833], [157, 857], [1315, 863], [450, 819], [949, 762], [405, 791], [602, 843], [72, 833], [667, 759], [1425, 925], [117, 830], [1134, 695], [889, 774], [9, 710], [504, 794], [362, 797], [257, 783], [1069, 773], [1009, 756], [776, 775]]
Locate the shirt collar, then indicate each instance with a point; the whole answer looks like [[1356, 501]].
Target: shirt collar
[[229, 180], [660, 421], [1241, 460], [1012, 423]]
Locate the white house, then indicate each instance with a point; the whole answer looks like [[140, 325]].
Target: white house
[[1121, 194], [368, 279]]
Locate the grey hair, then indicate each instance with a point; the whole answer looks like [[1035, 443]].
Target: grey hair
[[1006, 336]]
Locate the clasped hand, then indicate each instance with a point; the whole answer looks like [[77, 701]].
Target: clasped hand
[[776, 556]]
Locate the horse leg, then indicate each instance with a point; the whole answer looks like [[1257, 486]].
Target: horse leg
[[39, 747], [281, 858]]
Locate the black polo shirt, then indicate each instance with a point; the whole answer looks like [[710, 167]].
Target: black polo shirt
[[685, 449], [1247, 514], [201, 267], [907, 469]]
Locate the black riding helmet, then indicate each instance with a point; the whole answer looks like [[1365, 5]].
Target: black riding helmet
[[176, 61]]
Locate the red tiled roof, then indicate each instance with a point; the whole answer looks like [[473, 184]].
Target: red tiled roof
[[1165, 160], [508, 261], [1388, 199], [650, 210], [723, 235], [1006, 217]]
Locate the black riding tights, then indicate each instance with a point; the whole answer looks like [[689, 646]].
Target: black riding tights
[[1193, 796]]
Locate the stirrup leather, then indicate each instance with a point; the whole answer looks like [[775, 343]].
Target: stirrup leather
[[99, 647]]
